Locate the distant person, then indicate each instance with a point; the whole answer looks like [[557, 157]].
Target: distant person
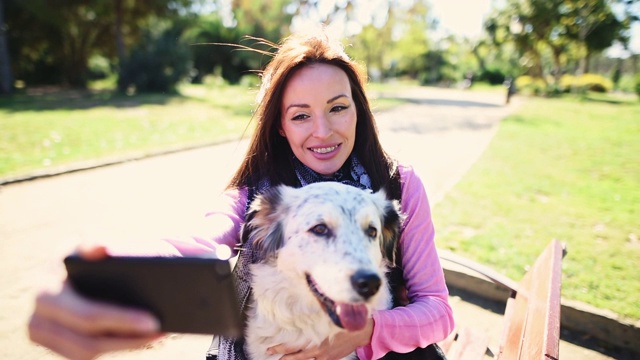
[[510, 85], [314, 123], [468, 81]]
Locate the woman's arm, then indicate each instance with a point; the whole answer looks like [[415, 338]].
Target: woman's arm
[[428, 318], [80, 328], [220, 226]]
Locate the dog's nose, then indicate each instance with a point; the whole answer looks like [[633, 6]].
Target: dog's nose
[[365, 283]]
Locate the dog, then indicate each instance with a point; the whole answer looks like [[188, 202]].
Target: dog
[[326, 248]]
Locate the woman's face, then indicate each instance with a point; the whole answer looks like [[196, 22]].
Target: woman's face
[[319, 117]]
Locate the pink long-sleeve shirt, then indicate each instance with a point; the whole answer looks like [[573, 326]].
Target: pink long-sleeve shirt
[[426, 320]]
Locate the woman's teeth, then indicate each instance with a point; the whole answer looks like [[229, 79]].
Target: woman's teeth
[[324, 150]]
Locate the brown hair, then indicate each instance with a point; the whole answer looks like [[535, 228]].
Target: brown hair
[[269, 155]]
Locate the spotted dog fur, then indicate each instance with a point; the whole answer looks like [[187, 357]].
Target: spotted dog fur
[[326, 248]]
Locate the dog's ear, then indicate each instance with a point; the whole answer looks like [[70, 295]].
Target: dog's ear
[[264, 223], [391, 221], [390, 232]]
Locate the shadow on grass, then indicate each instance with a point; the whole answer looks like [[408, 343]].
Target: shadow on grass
[[608, 100], [577, 338], [56, 98]]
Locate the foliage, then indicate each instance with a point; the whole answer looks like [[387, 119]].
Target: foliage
[[55, 40], [59, 43], [558, 168], [396, 47], [206, 38], [552, 36], [156, 64], [586, 82], [529, 85], [492, 76], [433, 73], [637, 87]]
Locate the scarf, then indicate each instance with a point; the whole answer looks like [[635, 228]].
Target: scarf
[[351, 173]]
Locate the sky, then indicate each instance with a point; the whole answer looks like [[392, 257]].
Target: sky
[[458, 17], [461, 17], [468, 22]]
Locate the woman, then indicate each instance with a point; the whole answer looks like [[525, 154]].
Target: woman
[[314, 124]]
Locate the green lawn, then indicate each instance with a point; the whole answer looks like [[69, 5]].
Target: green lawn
[[63, 127], [58, 128], [565, 169]]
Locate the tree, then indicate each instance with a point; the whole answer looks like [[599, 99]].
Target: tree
[[604, 34], [593, 26], [212, 47], [569, 30], [6, 78], [54, 40], [396, 45], [158, 62]]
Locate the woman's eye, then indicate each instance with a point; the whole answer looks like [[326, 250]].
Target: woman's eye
[[320, 229], [300, 117], [338, 108], [372, 232]]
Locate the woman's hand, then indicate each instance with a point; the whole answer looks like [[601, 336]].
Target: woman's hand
[[342, 345], [79, 328]]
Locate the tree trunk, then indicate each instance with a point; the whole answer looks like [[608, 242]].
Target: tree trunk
[[480, 59], [587, 62], [557, 66], [118, 32], [6, 79]]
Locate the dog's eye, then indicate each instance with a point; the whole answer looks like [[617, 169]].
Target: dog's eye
[[372, 231], [320, 229]]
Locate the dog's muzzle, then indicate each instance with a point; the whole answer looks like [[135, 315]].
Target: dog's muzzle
[[349, 316]]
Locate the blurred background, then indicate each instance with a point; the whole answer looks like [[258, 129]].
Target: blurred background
[[547, 46]]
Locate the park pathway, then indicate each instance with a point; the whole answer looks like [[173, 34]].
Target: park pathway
[[440, 132]]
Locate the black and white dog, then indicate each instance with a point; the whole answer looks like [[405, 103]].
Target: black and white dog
[[326, 249]]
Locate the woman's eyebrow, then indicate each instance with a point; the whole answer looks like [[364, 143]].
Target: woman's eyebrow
[[306, 106], [336, 98]]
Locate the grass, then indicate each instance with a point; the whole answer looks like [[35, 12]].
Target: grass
[[50, 129], [558, 168]]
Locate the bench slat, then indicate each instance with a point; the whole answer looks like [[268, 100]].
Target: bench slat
[[533, 317], [532, 314]]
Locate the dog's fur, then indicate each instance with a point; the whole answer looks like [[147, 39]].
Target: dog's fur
[[320, 236]]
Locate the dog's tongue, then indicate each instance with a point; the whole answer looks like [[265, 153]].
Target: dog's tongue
[[353, 317]]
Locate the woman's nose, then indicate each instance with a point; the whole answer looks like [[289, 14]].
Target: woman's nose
[[322, 127]]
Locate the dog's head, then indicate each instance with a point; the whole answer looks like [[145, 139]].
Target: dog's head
[[336, 238]]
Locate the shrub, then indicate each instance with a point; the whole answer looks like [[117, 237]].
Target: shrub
[[492, 76], [586, 82], [638, 85], [156, 64], [530, 86], [627, 83]]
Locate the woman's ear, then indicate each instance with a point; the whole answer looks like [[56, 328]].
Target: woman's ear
[[281, 132]]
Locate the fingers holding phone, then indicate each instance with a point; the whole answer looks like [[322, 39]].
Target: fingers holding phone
[[78, 328]]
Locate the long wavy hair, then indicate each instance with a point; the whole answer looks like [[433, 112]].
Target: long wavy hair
[[269, 154]]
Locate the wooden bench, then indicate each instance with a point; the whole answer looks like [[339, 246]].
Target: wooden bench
[[532, 314]]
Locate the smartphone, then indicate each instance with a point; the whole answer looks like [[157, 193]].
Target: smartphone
[[187, 294]]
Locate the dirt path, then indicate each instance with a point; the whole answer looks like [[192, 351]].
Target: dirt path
[[440, 132]]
